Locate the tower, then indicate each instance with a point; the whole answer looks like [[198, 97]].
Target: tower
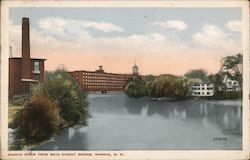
[[100, 70], [10, 52], [135, 70], [26, 62]]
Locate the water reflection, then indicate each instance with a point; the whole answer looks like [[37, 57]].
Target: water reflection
[[69, 139], [227, 116], [122, 123]]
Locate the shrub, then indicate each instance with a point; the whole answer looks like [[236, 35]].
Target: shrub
[[38, 120], [169, 86], [136, 87], [63, 88], [227, 95], [19, 100]]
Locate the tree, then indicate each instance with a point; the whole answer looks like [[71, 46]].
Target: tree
[[136, 87], [232, 67], [217, 80], [72, 100], [169, 86], [197, 74]]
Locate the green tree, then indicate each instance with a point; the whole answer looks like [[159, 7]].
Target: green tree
[[217, 80], [232, 67], [136, 87], [197, 74], [72, 100]]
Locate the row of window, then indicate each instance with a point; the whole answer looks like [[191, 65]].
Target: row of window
[[202, 88], [201, 93], [101, 84], [106, 80], [232, 83], [203, 84], [94, 87]]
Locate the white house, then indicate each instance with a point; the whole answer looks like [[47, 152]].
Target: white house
[[231, 85], [203, 89]]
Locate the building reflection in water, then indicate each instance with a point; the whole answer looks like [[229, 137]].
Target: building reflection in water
[[227, 117]]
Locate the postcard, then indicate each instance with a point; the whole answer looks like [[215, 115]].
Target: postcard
[[125, 79]]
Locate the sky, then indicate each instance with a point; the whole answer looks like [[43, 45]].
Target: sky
[[158, 40]]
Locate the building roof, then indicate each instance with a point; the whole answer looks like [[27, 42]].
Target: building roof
[[30, 58], [135, 66], [99, 72]]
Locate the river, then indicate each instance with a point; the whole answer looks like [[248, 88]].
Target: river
[[122, 123]]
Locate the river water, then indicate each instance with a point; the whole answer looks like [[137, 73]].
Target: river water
[[122, 123]]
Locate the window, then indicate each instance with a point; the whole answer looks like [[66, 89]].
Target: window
[[36, 68], [208, 93], [36, 76]]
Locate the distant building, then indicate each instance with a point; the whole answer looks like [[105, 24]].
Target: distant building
[[100, 80], [24, 72], [231, 85], [202, 89]]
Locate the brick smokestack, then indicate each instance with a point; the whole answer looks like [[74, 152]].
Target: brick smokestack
[[26, 62]]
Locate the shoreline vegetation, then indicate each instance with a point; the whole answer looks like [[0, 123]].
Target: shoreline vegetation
[[170, 88], [175, 88]]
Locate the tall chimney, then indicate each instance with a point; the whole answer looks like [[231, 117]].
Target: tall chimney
[[26, 62]]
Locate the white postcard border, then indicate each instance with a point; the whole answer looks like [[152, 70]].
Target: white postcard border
[[168, 154]]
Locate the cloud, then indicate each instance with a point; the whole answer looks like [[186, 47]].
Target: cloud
[[234, 25], [103, 26], [213, 37], [57, 25], [172, 24], [70, 42]]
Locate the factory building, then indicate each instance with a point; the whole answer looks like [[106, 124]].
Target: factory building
[[24, 72], [100, 80]]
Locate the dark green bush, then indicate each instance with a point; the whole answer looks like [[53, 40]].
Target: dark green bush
[[38, 120], [136, 87], [63, 88]]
